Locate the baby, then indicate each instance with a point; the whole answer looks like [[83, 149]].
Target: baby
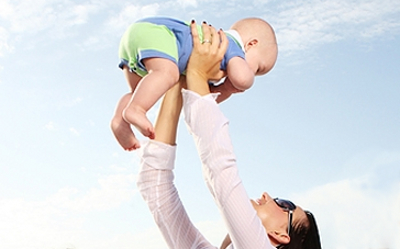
[[154, 53]]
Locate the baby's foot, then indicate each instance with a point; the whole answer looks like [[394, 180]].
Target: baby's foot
[[139, 120], [124, 134]]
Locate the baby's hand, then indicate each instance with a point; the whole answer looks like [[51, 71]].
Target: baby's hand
[[226, 90]]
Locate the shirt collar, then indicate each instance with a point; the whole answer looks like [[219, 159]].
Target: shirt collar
[[235, 35]]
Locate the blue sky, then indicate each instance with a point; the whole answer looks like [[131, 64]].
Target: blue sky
[[322, 128]]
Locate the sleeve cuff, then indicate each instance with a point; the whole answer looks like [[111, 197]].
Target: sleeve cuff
[[157, 155], [190, 97], [202, 113]]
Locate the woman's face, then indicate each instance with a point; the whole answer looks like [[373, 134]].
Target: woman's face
[[273, 217]]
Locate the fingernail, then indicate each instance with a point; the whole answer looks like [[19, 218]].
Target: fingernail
[[204, 22], [193, 21]]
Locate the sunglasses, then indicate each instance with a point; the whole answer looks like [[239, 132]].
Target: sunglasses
[[286, 206]]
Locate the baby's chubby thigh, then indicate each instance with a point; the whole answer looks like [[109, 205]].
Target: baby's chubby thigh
[[166, 70]]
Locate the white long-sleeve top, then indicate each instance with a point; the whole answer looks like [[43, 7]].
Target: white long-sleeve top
[[209, 128]]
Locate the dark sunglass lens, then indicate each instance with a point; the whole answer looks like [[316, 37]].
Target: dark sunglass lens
[[288, 205]]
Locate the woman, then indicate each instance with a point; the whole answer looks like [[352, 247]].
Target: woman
[[263, 223]]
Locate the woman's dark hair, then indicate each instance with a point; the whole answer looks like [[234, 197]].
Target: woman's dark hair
[[304, 236]]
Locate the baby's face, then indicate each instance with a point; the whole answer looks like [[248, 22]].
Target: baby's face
[[261, 59]]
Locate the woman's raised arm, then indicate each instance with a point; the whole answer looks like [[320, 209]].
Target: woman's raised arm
[[155, 179], [210, 130]]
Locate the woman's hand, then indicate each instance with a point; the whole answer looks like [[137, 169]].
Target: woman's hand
[[206, 57]]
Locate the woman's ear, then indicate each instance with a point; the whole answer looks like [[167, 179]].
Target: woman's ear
[[278, 238], [250, 44]]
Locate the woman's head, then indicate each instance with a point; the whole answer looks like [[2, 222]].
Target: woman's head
[[287, 225], [304, 237]]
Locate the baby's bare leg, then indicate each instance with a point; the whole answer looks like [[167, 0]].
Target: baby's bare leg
[[163, 74], [121, 129]]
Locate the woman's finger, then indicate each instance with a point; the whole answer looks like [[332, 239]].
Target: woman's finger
[[219, 42], [195, 34], [207, 36], [215, 40], [223, 45]]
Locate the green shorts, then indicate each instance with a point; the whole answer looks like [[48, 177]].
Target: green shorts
[[146, 40]]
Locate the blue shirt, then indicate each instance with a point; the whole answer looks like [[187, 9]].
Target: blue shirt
[[184, 41]]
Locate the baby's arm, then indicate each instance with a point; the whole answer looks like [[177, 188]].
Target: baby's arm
[[226, 90], [240, 73]]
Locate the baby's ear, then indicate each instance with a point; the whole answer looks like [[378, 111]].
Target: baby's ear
[[250, 44]]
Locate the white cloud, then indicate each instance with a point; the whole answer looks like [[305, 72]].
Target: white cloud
[[130, 14], [185, 3], [118, 169], [92, 41], [364, 207], [213, 231], [81, 13], [113, 191], [31, 17], [51, 126], [1, 69], [346, 210], [299, 25], [21, 19], [302, 25], [114, 26], [6, 9], [74, 102], [379, 29], [74, 131], [5, 47], [61, 218]]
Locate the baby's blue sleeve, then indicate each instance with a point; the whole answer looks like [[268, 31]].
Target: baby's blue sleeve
[[233, 50]]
